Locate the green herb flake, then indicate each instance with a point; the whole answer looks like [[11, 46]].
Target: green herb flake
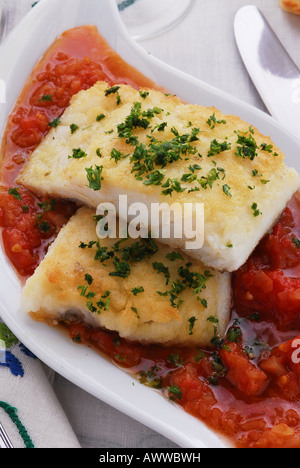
[[137, 290], [46, 97], [55, 123], [218, 147], [266, 148], [143, 94], [15, 193], [100, 117], [73, 128], [134, 309], [172, 256], [192, 322], [296, 242], [77, 153], [117, 155], [112, 90], [43, 227], [246, 147], [256, 211], [174, 392], [94, 176], [212, 121], [88, 279], [226, 190], [175, 359]]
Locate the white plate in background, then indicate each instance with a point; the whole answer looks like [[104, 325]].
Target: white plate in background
[[85, 368]]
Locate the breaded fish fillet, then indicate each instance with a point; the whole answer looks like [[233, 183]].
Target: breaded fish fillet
[[144, 290], [155, 149]]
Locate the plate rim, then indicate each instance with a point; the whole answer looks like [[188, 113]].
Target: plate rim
[[64, 368]]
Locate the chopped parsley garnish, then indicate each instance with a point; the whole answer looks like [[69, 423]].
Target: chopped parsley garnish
[[77, 153], [255, 173], [175, 359], [208, 181], [192, 322], [144, 94], [94, 176], [199, 356], [117, 155], [55, 123], [103, 303], [212, 121], [161, 268], [43, 227], [160, 127], [15, 193], [174, 392], [218, 147], [172, 185], [112, 90], [264, 181], [218, 369], [136, 119], [134, 309], [88, 279], [212, 319], [172, 256], [154, 178], [246, 147], [46, 206], [296, 242], [100, 117], [122, 268], [46, 97], [93, 305], [266, 148], [226, 190], [150, 378], [73, 128], [137, 290], [234, 334], [256, 211]]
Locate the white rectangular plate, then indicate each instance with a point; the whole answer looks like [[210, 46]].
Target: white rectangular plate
[[85, 368]]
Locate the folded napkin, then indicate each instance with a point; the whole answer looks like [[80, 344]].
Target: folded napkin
[[29, 410]]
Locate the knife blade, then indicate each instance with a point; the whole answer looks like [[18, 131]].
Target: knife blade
[[272, 70]]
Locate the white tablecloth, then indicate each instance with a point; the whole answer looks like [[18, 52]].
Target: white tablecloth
[[203, 45]]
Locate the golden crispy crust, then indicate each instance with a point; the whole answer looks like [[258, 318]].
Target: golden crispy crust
[[229, 216], [52, 294], [292, 6]]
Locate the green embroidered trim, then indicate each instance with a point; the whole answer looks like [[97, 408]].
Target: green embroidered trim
[[7, 336], [12, 413]]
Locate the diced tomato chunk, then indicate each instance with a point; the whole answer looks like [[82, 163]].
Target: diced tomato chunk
[[110, 343], [241, 372]]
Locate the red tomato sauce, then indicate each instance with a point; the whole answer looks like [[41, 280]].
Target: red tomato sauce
[[75, 62], [245, 386]]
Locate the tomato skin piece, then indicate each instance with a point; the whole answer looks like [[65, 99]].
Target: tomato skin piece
[[283, 366], [244, 375]]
